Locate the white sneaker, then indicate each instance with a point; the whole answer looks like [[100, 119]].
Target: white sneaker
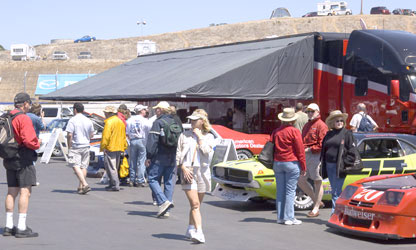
[[198, 237], [293, 222], [166, 215], [190, 232], [164, 208]]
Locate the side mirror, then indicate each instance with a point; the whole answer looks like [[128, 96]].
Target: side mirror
[[395, 89]]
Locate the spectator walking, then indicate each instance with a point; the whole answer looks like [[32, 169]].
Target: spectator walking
[[239, 118], [20, 171], [361, 121], [161, 159], [36, 115], [79, 130], [193, 158], [332, 163], [137, 127], [302, 117], [113, 143], [313, 134], [289, 164]]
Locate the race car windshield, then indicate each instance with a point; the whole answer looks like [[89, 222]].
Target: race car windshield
[[401, 182]]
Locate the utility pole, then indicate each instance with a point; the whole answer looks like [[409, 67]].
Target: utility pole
[[361, 7]]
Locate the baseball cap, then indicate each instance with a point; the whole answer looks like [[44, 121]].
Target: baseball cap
[[123, 107], [110, 109], [313, 106], [140, 107], [21, 98], [162, 105]]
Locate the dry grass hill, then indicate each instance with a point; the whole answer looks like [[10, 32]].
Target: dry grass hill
[[109, 53]]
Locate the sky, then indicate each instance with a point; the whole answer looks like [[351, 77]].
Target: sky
[[36, 22]]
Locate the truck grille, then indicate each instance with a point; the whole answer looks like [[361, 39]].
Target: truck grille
[[361, 203], [231, 174]]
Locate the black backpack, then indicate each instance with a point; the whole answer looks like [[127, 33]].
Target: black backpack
[[8, 146], [365, 124], [171, 132]]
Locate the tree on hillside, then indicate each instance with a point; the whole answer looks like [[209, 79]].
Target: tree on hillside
[[1, 48]]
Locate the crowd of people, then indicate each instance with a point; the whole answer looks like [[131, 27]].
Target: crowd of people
[[305, 148], [309, 148]]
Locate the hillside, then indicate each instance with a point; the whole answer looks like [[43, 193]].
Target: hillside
[[109, 53]]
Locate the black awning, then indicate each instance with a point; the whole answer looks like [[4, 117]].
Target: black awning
[[280, 68]]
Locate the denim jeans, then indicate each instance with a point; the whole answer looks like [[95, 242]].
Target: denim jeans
[[156, 172], [336, 183], [287, 175], [137, 159]]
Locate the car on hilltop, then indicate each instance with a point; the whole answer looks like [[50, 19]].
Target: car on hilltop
[[85, 39]]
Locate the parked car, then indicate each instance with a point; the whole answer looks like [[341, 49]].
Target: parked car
[[84, 55], [408, 12], [378, 207], [59, 55], [380, 10], [280, 12], [381, 153], [85, 39], [398, 12], [311, 14]]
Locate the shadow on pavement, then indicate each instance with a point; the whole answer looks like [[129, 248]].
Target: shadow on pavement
[[262, 220], [142, 213], [242, 206], [170, 236], [313, 220], [63, 191], [377, 241], [139, 203]]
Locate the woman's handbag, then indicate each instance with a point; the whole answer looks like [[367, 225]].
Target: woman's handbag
[[351, 159], [191, 168], [266, 155]]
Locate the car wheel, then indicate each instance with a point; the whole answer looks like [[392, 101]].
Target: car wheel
[[329, 14], [348, 13], [244, 154], [57, 152], [302, 200]]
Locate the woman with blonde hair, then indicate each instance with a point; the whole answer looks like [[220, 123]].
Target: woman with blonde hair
[[194, 151]]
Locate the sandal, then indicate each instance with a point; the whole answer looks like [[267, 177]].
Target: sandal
[[312, 214]]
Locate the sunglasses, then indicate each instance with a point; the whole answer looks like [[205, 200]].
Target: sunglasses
[[340, 121], [310, 111]]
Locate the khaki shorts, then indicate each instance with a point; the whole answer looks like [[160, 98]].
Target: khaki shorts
[[313, 165], [79, 157], [201, 181]]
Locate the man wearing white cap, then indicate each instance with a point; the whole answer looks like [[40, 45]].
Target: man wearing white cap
[[161, 157], [137, 129], [313, 134]]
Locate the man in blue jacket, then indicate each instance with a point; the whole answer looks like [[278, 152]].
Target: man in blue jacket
[[161, 159]]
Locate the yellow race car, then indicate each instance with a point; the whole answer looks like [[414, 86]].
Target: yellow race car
[[381, 153]]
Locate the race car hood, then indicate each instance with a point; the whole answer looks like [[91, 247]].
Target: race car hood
[[252, 165]]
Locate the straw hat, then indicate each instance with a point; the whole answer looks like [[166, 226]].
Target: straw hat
[[288, 115], [110, 109], [335, 114]]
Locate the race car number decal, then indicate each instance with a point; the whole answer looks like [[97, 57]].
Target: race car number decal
[[372, 168], [359, 214], [368, 195]]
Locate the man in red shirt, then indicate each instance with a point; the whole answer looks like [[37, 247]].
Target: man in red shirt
[[313, 134], [20, 170]]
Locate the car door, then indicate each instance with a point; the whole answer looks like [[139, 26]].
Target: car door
[[384, 156]]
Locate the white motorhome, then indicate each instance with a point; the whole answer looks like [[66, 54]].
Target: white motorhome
[[22, 52], [329, 8]]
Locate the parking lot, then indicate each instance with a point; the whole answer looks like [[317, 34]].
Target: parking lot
[[127, 220]]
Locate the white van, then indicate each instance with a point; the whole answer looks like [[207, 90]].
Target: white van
[[56, 111]]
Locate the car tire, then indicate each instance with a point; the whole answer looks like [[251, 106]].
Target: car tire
[[329, 14], [302, 200], [244, 154], [57, 152], [348, 13]]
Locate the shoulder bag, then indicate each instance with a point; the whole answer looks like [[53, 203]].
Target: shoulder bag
[[351, 159], [266, 156]]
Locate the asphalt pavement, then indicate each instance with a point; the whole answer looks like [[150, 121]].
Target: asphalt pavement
[[127, 220]]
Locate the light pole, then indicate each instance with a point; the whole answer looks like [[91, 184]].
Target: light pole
[[361, 7], [141, 23]]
